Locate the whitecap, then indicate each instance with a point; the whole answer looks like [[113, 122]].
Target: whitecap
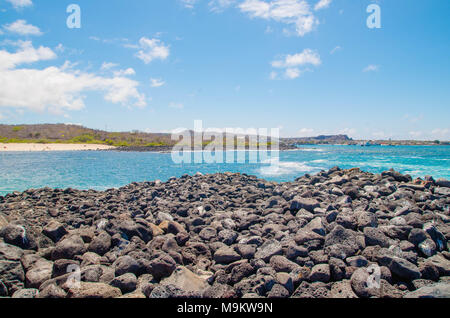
[[283, 168]]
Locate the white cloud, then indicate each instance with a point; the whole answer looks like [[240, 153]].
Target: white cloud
[[108, 65], [128, 71], [371, 68], [292, 73], [322, 4], [23, 28], [156, 82], [291, 12], [26, 54], [220, 5], [291, 63], [56, 89], [308, 56], [20, 3], [189, 3], [152, 49], [176, 105]]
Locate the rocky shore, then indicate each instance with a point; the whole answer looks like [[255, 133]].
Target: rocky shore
[[340, 233]]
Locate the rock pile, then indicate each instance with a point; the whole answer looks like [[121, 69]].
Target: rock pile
[[340, 233]]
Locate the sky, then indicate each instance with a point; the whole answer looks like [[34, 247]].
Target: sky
[[308, 67]]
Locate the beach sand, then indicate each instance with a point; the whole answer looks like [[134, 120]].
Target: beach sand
[[51, 147]]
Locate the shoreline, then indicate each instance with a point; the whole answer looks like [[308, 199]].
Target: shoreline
[[30, 147], [231, 235]]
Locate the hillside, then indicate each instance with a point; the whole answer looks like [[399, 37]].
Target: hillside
[[62, 133]]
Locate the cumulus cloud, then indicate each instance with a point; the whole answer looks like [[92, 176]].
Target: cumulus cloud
[[291, 63], [156, 82], [20, 3], [25, 55], [322, 4], [291, 12], [57, 89], [152, 49], [23, 28]]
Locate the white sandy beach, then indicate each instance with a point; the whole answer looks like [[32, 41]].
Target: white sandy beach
[[51, 147]]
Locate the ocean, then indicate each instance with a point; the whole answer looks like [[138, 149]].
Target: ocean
[[100, 170]]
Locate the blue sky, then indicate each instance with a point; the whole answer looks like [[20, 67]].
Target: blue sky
[[307, 66]]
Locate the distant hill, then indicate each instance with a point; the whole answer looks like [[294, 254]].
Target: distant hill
[[322, 139], [62, 133]]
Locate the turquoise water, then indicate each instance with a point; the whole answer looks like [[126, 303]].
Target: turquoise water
[[102, 170]]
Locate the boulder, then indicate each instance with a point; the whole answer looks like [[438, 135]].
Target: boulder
[[100, 244], [54, 230], [93, 290], [26, 293], [125, 264], [127, 283], [69, 247], [438, 290], [186, 280], [162, 267], [308, 204], [40, 272], [320, 273], [226, 255], [269, 249]]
